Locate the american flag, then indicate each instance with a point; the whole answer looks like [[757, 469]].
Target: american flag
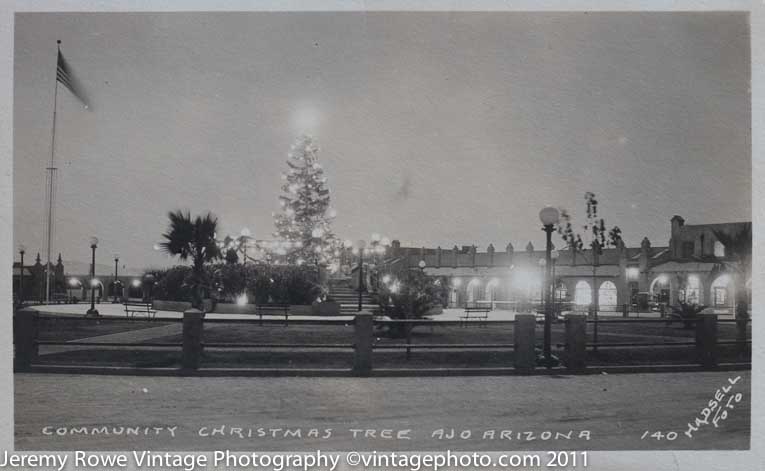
[[67, 79]]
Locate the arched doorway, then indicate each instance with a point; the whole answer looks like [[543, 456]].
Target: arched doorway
[[693, 290], [491, 291], [721, 291], [660, 289], [582, 293], [607, 296], [473, 291], [561, 292]]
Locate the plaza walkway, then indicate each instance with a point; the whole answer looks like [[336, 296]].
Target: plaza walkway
[[117, 310]]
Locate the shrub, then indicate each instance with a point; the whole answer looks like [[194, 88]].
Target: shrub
[[687, 313], [173, 284], [263, 284]]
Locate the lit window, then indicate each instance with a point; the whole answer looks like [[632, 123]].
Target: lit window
[[583, 293], [719, 249]]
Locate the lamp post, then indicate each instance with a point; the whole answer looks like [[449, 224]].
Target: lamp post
[[114, 285], [92, 311], [360, 245], [543, 284], [554, 256], [549, 217], [22, 250]]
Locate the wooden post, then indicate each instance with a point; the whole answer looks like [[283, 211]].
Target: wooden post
[[25, 330], [524, 342], [192, 339], [706, 340], [741, 324], [625, 310], [363, 338], [576, 342]]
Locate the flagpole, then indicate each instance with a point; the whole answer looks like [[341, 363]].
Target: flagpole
[[51, 178]]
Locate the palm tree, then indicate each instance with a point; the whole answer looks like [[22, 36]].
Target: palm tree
[[193, 239], [738, 254]]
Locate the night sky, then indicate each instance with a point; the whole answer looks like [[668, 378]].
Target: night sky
[[435, 128]]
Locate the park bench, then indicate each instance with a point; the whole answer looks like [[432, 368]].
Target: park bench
[[273, 309], [476, 312], [131, 309], [59, 298]]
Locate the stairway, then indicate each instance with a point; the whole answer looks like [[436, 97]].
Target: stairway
[[340, 290]]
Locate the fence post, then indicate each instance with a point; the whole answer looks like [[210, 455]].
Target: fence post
[[25, 330], [192, 339], [706, 340], [663, 310], [625, 310], [741, 324], [363, 335], [524, 342], [576, 342]]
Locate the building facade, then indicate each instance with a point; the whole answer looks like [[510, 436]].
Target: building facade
[[694, 267]]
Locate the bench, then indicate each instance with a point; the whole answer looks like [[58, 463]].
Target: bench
[[59, 298], [273, 310], [476, 312], [131, 309]]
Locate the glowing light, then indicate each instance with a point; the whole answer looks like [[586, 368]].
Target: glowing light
[[242, 299], [386, 279], [456, 282], [94, 282], [395, 287], [300, 261], [721, 281], [136, 283], [693, 281], [74, 282], [633, 273]]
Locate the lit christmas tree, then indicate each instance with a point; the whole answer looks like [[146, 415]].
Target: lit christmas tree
[[303, 227]]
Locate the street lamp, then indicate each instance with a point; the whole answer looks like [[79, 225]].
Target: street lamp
[[361, 245], [92, 312], [116, 263], [22, 250], [422, 265], [554, 255], [549, 217]]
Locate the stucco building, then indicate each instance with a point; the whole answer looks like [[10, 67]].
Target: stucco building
[[694, 267]]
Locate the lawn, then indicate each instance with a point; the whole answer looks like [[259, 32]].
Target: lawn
[[475, 333]]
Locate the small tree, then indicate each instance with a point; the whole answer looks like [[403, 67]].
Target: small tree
[[193, 239], [411, 298], [599, 238], [738, 253]]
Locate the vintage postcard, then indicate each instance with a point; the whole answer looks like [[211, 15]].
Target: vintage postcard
[[381, 231]]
